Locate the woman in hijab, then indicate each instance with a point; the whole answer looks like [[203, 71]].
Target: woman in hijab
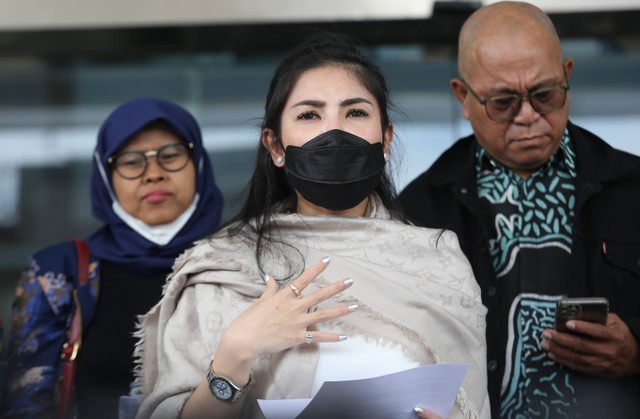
[[153, 188]]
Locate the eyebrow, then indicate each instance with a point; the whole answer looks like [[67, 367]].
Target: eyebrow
[[319, 103], [355, 101], [540, 85]]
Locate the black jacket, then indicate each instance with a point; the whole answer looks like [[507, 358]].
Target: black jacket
[[607, 210]]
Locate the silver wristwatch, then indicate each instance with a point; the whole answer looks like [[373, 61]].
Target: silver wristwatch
[[223, 388]]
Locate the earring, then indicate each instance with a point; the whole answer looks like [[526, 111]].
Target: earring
[[279, 160], [386, 156]]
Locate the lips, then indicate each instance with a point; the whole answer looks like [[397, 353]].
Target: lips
[[531, 140], [157, 196]]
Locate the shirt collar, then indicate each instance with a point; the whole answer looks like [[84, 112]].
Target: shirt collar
[[563, 158]]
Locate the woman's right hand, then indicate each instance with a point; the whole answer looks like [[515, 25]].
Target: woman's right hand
[[279, 320]]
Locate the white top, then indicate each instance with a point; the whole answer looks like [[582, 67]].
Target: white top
[[355, 359]]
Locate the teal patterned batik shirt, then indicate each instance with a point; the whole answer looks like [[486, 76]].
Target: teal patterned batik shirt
[[529, 213], [530, 247]]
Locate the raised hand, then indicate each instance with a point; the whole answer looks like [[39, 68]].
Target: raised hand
[[280, 319]]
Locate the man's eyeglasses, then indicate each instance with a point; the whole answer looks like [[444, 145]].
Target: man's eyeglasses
[[133, 164], [505, 108]]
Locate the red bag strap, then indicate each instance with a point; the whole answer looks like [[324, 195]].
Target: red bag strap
[[74, 334], [82, 252]]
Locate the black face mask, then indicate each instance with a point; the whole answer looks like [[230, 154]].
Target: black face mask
[[336, 170]]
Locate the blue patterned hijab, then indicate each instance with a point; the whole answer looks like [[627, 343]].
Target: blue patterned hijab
[[115, 241]]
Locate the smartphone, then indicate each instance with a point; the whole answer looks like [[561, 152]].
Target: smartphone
[[591, 309]]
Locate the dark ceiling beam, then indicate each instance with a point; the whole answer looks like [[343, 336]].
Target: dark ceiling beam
[[439, 30]]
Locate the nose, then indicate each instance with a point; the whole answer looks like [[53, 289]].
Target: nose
[[526, 114], [333, 122], [153, 173]]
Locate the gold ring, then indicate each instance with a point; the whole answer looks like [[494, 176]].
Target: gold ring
[[295, 290]]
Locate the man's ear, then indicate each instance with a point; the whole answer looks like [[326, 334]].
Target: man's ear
[[270, 142], [459, 89], [462, 92], [568, 67]]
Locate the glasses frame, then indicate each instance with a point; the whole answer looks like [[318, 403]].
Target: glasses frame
[[527, 96], [151, 153]]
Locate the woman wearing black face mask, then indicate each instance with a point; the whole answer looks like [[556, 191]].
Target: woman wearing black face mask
[[315, 280]]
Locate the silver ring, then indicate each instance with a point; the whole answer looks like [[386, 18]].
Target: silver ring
[[308, 337], [295, 290]]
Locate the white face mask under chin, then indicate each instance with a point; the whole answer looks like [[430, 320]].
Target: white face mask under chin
[[159, 234]]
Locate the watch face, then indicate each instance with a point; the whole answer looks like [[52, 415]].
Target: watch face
[[222, 389]]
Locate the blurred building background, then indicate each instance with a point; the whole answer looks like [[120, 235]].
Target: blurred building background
[[65, 65]]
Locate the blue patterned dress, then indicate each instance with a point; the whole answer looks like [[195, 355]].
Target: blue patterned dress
[[40, 318]]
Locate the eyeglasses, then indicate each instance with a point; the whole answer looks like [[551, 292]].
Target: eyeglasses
[[133, 164], [505, 108]]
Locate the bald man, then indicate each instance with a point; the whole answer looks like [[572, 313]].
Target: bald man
[[543, 209]]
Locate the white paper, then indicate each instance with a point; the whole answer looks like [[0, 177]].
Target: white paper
[[433, 387]]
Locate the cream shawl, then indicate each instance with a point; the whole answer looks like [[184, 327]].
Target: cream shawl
[[414, 288]]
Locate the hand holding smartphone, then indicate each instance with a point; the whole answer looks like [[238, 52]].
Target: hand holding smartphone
[[591, 309]]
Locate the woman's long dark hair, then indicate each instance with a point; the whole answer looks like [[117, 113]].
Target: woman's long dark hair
[[269, 189]]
